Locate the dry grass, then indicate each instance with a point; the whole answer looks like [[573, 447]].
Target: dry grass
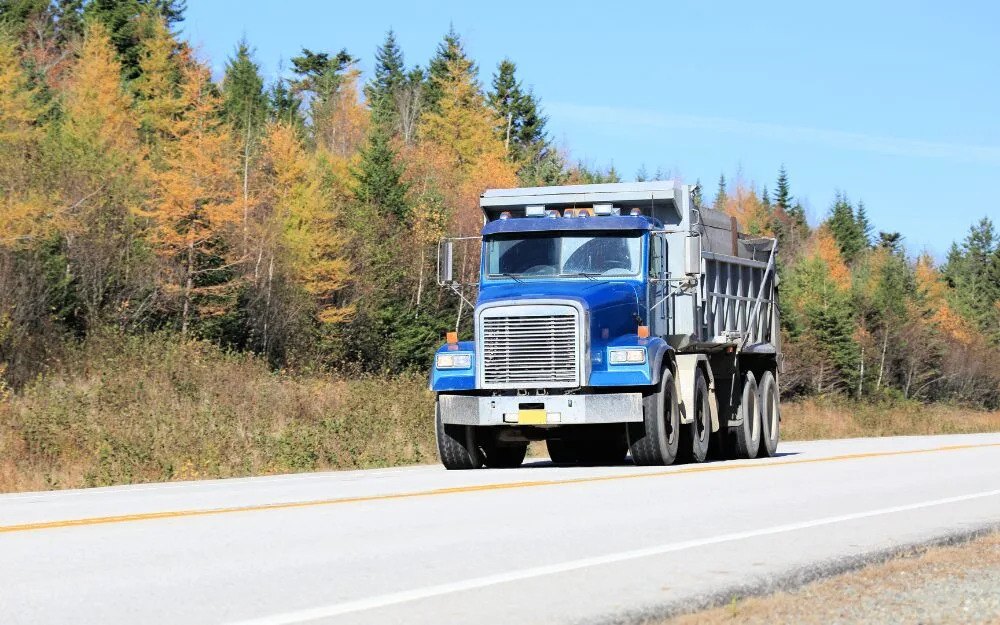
[[878, 593], [126, 410], [832, 418]]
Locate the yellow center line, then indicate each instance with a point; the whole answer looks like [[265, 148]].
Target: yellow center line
[[148, 516]]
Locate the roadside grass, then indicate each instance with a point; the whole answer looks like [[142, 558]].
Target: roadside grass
[[833, 417], [129, 409], [122, 410]]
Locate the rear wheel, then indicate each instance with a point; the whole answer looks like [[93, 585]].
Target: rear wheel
[[656, 439], [561, 451], [745, 437], [456, 444], [506, 457], [696, 435], [770, 415]]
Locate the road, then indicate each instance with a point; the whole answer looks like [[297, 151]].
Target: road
[[539, 544]]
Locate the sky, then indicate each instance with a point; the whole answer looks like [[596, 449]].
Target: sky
[[895, 103]]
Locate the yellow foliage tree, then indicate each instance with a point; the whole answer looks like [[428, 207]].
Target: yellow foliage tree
[[301, 208], [934, 291], [341, 122], [157, 89], [197, 188], [20, 209]]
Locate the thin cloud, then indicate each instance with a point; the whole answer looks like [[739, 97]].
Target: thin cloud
[[620, 117]]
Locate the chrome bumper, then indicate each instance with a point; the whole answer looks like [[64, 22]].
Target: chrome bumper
[[559, 409]]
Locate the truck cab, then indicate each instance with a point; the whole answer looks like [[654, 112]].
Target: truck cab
[[596, 329]]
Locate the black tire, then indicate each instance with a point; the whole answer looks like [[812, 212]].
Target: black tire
[[561, 451], [770, 415], [506, 456], [745, 437], [602, 452], [656, 439], [456, 444], [696, 435]]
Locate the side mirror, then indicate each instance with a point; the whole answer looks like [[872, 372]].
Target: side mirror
[[446, 261]]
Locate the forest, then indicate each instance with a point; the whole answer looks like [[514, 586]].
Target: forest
[[295, 220]]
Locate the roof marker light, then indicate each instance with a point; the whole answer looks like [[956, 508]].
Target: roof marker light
[[552, 213], [505, 215], [635, 212]]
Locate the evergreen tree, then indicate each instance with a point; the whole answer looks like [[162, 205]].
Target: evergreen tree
[[121, 18], [864, 226], [449, 56], [285, 104], [388, 79], [379, 174], [973, 270], [720, 196], [765, 199], [892, 241], [505, 99], [641, 175], [696, 194], [244, 102], [783, 194], [846, 228]]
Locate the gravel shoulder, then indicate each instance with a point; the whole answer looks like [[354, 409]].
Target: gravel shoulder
[[944, 584]]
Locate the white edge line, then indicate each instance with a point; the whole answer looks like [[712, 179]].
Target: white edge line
[[380, 601]]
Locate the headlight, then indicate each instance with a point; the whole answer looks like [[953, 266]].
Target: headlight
[[454, 361], [626, 356]]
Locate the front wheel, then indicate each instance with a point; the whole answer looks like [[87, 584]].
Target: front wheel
[[656, 439], [456, 444]]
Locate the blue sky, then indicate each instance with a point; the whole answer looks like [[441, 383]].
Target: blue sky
[[896, 103]]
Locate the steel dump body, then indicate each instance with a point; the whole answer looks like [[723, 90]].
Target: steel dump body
[[609, 314], [730, 271]]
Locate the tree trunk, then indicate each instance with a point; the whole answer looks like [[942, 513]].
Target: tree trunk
[[420, 276], [188, 286], [861, 373], [881, 366], [267, 301]]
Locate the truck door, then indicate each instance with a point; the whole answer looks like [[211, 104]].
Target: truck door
[[657, 284]]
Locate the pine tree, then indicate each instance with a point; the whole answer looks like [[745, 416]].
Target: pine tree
[[285, 104], [864, 225], [127, 30], [379, 174], [783, 194], [846, 228], [696, 195], [720, 196], [641, 175], [244, 102], [971, 269], [891, 241], [765, 198], [505, 99], [450, 56], [389, 78]]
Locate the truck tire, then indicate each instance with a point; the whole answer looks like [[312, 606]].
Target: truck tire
[[602, 452], [770, 415], [656, 439], [456, 444], [697, 434], [745, 437], [505, 456], [561, 451]]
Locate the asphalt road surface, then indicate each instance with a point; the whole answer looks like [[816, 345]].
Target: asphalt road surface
[[539, 544]]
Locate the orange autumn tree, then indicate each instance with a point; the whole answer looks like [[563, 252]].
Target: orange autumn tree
[[195, 203]]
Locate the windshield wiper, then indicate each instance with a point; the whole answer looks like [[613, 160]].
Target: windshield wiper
[[578, 274], [513, 276]]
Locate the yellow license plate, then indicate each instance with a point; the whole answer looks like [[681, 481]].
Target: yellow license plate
[[531, 417]]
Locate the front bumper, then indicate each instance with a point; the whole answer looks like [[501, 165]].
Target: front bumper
[[559, 409]]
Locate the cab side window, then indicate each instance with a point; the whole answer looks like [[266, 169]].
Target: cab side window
[[656, 256]]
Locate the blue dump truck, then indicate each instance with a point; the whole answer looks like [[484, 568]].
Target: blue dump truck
[[610, 319]]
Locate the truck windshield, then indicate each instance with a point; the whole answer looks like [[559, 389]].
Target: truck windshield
[[564, 256]]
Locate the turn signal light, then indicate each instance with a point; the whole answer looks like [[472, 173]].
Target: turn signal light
[[452, 338], [643, 332]]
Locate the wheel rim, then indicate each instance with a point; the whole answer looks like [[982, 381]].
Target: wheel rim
[[772, 413]]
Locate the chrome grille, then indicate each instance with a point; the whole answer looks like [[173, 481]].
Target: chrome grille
[[529, 350]]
